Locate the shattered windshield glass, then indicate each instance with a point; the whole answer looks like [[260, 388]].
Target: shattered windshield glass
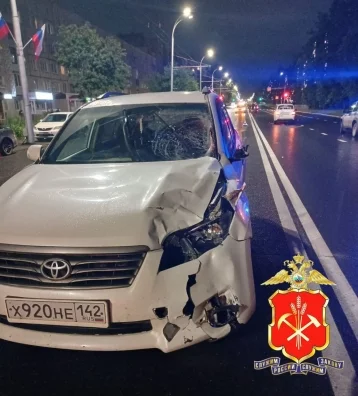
[[135, 134]]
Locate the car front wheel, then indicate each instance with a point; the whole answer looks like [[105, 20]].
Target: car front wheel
[[354, 129], [6, 147], [342, 130]]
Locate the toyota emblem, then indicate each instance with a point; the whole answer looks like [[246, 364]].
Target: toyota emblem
[[56, 269]]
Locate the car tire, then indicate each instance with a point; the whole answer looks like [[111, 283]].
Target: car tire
[[6, 146], [354, 129], [342, 131]]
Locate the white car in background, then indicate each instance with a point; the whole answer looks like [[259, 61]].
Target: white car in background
[[284, 113], [131, 231], [50, 125], [349, 120]]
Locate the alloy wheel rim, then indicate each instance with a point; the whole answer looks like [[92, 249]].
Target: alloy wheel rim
[[7, 148]]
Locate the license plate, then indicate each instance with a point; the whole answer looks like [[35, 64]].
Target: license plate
[[65, 313]]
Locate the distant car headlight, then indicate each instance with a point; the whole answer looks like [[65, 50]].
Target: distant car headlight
[[189, 244]]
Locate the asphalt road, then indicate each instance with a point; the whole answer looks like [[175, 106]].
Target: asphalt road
[[323, 172]]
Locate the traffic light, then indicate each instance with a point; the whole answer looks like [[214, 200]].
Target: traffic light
[[260, 99]]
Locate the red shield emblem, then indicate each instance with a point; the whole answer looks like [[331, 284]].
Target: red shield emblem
[[298, 325]]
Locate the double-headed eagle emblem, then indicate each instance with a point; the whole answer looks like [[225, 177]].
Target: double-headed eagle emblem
[[301, 275]]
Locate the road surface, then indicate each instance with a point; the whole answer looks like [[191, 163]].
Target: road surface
[[323, 172]]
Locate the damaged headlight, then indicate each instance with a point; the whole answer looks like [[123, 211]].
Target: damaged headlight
[[189, 244]]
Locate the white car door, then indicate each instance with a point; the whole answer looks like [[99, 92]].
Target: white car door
[[348, 117]]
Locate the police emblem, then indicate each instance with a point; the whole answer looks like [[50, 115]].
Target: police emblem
[[298, 326]]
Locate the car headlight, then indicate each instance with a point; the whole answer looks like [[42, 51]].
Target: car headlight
[[56, 128], [189, 244]]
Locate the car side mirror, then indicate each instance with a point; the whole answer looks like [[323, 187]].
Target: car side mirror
[[34, 152], [240, 154]]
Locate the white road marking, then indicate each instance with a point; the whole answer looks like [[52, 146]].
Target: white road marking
[[311, 129], [305, 116], [322, 114], [325, 120], [335, 122], [341, 140], [344, 292], [325, 134], [342, 382]]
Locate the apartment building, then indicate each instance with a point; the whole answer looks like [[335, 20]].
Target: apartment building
[[49, 84]]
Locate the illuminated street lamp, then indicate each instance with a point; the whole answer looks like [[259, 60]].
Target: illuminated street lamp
[[212, 77], [210, 53], [226, 75], [236, 88], [186, 15]]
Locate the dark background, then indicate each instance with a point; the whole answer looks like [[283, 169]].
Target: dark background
[[252, 38]]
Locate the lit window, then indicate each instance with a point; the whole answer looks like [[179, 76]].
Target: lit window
[[63, 70], [13, 55]]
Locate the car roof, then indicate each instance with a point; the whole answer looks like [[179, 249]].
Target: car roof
[[158, 97]]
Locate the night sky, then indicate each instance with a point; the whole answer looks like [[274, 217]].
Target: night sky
[[253, 38]]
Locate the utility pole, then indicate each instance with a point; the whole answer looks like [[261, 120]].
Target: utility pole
[[22, 70]]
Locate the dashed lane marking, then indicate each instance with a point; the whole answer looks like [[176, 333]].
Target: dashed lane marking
[[341, 140], [325, 134]]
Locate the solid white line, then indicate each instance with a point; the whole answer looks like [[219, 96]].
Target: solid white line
[[341, 382], [344, 292], [325, 134], [322, 114], [343, 141]]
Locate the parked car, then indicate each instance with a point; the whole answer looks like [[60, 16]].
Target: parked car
[[349, 120], [133, 230], [284, 112], [50, 125], [8, 141]]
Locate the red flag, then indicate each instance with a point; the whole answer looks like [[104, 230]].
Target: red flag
[[4, 28]]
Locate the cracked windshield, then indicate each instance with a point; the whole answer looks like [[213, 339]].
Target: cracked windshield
[[178, 197]]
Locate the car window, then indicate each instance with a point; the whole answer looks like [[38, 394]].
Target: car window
[[285, 107], [55, 118], [228, 132], [143, 133]]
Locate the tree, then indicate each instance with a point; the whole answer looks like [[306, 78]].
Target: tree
[[95, 64], [183, 81]]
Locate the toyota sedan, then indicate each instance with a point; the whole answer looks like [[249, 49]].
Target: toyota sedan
[[131, 230]]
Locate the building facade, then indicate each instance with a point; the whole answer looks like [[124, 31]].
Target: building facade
[[50, 87]]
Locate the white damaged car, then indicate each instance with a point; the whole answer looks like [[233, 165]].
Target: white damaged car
[[131, 231]]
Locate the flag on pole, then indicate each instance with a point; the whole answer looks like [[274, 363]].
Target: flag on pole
[[38, 39], [4, 28]]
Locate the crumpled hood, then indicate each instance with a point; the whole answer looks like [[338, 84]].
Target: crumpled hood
[[105, 205]]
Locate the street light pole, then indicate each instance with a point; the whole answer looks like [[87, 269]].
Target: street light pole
[[201, 72], [186, 14], [212, 77], [22, 72], [210, 54]]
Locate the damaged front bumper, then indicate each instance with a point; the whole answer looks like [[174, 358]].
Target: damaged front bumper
[[183, 305]]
